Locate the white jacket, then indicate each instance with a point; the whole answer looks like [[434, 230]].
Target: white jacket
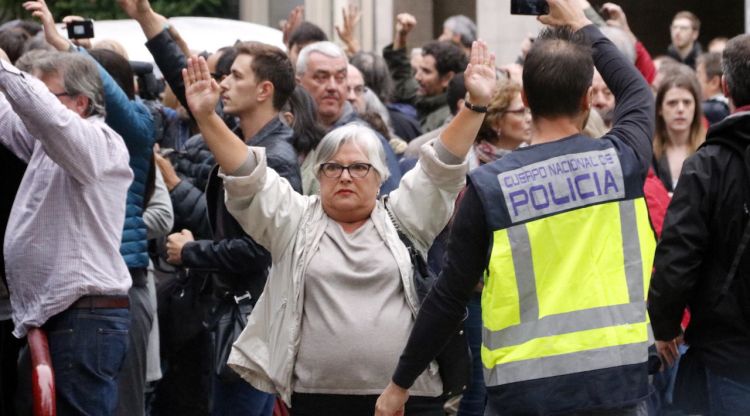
[[290, 226]]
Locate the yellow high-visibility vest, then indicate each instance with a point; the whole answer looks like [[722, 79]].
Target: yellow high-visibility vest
[[566, 293]]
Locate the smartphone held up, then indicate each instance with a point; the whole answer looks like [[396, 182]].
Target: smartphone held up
[[529, 7], [82, 29]]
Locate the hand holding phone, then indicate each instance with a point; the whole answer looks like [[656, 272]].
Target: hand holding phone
[[83, 29], [565, 13], [529, 7]]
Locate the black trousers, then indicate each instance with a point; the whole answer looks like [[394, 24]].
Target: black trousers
[[304, 404]]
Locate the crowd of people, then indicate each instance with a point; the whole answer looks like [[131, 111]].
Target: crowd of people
[[313, 231]]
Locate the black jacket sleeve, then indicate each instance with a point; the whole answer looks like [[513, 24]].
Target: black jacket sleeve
[[684, 243], [405, 88], [445, 306], [231, 255], [190, 211], [287, 170], [170, 60], [634, 111]]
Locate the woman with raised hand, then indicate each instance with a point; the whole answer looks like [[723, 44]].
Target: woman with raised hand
[[339, 303]]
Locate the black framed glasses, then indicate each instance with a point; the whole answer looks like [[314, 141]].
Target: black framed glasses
[[335, 170]]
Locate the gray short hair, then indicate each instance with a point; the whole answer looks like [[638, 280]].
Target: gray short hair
[[364, 136], [80, 76], [374, 105], [326, 48], [463, 26], [375, 71], [622, 41], [27, 62]]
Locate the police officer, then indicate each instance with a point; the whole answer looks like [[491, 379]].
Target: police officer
[[561, 231]]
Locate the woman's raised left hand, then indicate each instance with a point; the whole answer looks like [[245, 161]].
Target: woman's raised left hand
[[480, 77]]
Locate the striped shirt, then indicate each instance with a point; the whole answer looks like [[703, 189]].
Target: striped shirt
[[63, 236]]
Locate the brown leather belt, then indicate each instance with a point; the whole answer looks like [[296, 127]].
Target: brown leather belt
[[101, 302]]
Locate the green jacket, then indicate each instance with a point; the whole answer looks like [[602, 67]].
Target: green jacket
[[432, 111]]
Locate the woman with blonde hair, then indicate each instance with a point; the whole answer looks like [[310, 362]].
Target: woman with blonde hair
[[679, 125]]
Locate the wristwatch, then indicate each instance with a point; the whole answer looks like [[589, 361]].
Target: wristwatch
[[475, 108]]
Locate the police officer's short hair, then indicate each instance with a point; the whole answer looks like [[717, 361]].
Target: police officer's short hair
[[736, 62], [557, 73]]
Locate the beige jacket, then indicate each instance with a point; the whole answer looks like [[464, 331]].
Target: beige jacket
[[290, 226]]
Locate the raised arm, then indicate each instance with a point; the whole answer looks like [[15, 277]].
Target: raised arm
[[634, 112], [13, 133], [128, 118], [164, 43], [40, 10], [351, 15], [398, 61], [202, 93], [84, 148]]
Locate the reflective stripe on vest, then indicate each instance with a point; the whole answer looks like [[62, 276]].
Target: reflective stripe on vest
[[566, 293]]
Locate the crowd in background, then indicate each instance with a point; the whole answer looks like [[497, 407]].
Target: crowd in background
[[118, 210]]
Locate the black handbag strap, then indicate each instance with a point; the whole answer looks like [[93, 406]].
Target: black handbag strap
[[404, 239]]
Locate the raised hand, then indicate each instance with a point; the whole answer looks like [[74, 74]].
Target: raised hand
[[616, 16], [86, 43], [480, 76], [39, 9], [351, 14], [565, 13], [135, 8], [296, 16], [405, 23], [201, 90]]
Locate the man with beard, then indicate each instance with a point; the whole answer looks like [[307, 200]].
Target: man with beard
[[426, 88]]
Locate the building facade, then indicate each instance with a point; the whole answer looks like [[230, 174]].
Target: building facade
[[503, 32]]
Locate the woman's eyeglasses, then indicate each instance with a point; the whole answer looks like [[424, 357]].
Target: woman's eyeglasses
[[335, 170]]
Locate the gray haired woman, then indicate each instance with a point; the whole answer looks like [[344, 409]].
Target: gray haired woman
[[339, 301]]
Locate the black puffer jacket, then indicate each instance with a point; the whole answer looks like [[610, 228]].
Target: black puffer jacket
[[702, 230], [237, 262], [193, 165]]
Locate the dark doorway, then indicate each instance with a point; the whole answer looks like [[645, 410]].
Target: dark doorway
[[650, 20]]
